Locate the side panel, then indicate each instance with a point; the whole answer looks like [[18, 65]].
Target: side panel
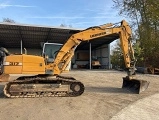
[[24, 64], [33, 65], [13, 64]]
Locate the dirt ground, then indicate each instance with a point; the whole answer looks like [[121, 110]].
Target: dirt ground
[[103, 99], [4, 77]]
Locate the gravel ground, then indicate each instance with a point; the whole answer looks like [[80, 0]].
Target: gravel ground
[[103, 99]]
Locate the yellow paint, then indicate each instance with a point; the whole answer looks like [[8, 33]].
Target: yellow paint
[[9, 69], [29, 64], [33, 64], [13, 70]]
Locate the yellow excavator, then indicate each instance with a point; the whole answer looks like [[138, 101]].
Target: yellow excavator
[[55, 59]]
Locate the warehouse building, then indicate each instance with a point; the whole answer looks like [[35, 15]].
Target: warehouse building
[[18, 38]]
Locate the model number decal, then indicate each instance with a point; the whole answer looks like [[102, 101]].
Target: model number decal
[[14, 63]]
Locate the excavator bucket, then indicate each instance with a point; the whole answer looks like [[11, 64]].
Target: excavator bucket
[[135, 85]]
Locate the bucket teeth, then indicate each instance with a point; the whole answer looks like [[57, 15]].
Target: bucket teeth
[[135, 85]]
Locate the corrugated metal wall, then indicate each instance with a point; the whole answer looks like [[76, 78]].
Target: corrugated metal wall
[[103, 55]]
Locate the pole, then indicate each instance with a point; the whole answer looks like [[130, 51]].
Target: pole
[[109, 61], [90, 55], [21, 47]]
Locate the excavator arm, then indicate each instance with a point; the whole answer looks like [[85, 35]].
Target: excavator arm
[[123, 31], [67, 51]]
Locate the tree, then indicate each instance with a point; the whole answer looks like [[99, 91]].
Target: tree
[[138, 53], [144, 15], [8, 20], [64, 25], [117, 58]]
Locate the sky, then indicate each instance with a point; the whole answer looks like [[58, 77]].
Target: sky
[[77, 13]]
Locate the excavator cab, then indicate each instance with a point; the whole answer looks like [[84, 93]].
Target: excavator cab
[[50, 50]]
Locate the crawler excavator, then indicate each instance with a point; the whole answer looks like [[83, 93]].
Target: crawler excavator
[[47, 81]]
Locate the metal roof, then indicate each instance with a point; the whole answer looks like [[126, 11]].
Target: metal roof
[[11, 35]]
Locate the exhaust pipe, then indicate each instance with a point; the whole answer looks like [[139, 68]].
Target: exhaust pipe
[[135, 85]]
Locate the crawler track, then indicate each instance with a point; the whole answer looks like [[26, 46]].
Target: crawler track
[[43, 86]]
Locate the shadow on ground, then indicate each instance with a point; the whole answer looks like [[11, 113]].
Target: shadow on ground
[[107, 90], [98, 70]]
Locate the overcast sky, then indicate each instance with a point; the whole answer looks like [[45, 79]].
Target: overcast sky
[[77, 13]]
